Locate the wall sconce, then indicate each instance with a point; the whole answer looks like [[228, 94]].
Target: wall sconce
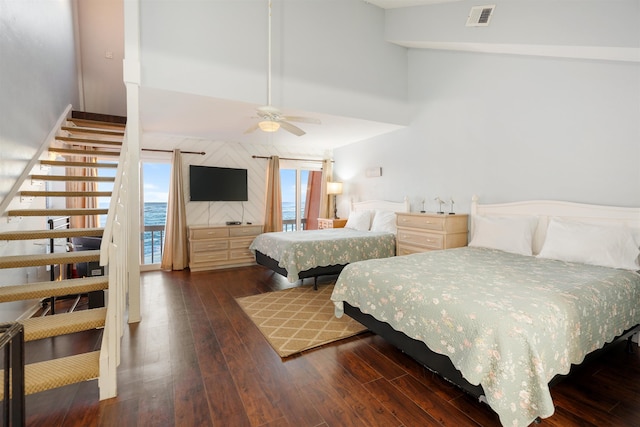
[[334, 188]]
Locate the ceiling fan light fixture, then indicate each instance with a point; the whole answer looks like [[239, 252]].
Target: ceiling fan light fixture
[[269, 126]]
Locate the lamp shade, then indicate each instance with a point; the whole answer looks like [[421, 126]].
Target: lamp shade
[[334, 188], [269, 126]]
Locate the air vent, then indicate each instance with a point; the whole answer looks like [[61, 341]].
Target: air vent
[[479, 16]]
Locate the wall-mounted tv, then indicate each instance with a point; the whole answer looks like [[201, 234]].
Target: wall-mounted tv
[[216, 184]]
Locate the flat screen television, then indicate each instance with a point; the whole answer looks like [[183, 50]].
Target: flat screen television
[[216, 184]]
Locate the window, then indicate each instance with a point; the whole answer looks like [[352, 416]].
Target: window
[[300, 186]]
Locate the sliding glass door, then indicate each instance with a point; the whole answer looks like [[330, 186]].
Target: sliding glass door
[[301, 186]]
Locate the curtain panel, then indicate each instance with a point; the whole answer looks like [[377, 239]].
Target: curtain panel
[[175, 255], [273, 197]]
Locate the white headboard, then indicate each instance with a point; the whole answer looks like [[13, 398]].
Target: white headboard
[[383, 205], [545, 209]]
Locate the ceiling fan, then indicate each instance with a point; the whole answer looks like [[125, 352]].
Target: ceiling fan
[[271, 118]]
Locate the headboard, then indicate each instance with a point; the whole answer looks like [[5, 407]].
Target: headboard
[[383, 205], [545, 209]]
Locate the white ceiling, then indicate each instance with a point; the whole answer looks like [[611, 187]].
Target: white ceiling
[[197, 116]]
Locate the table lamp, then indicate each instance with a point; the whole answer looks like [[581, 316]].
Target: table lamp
[[334, 188]]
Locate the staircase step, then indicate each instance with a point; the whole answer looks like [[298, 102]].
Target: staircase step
[[51, 234], [65, 164], [89, 141], [86, 130], [73, 178], [86, 153], [96, 124], [37, 328], [59, 288], [19, 261], [31, 193], [57, 212], [59, 372]]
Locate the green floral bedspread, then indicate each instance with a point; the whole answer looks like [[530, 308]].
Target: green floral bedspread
[[298, 251], [506, 321]]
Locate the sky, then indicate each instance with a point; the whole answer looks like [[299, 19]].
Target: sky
[[155, 178]]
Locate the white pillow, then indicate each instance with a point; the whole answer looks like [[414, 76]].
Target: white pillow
[[608, 246], [507, 234], [359, 220], [384, 221]]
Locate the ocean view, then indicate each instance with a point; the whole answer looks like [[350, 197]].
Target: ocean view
[[155, 213]]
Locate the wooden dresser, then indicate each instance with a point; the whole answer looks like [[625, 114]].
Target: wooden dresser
[[222, 246], [421, 232], [331, 223]]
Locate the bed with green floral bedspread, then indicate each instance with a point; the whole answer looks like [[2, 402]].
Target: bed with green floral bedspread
[[297, 251], [507, 322]]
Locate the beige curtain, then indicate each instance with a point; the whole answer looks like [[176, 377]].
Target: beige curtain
[[273, 197], [326, 210], [175, 255], [87, 202]]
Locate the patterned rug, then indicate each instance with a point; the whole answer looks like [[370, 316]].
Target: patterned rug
[[297, 319]]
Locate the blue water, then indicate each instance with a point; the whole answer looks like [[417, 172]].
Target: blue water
[[288, 210], [155, 213]]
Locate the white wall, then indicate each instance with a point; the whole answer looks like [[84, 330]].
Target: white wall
[[593, 23], [508, 127], [37, 78], [38, 81], [329, 56], [101, 31]]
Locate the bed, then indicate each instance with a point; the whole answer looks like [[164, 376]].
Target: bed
[[541, 285], [369, 233]]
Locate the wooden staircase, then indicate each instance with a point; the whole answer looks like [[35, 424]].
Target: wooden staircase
[[98, 143]]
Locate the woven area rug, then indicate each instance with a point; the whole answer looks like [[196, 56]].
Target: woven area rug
[[297, 319]]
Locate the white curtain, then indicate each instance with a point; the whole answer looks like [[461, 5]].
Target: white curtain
[[175, 255]]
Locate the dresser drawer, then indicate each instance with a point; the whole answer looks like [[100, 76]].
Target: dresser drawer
[[241, 243], [209, 233], [426, 240], [408, 250], [242, 254], [209, 245], [252, 230], [205, 257], [422, 221]]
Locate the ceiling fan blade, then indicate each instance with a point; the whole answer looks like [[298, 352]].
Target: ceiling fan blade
[[291, 128], [252, 128], [302, 119]]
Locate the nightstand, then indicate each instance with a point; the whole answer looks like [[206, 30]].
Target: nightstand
[[421, 232], [331, 223]]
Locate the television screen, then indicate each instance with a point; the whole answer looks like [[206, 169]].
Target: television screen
[[215, 184]]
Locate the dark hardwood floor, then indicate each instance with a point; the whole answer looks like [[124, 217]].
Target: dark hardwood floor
[[197, 360]]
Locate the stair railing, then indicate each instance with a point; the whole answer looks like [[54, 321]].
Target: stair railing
[[113, 256], [56, 224], [12, 341]]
